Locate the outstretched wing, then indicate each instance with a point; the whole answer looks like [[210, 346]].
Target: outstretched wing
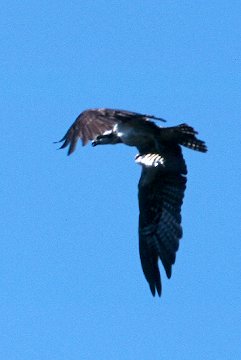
[[94, 122], [161, 192]]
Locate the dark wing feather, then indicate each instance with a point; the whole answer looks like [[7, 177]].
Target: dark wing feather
[[161, 193]]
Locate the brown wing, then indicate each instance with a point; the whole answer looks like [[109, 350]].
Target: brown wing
[[161, 192], [87, 126], [94, 122]]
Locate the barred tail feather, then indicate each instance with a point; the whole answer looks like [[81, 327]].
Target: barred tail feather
[[194, 144], [188, 138]]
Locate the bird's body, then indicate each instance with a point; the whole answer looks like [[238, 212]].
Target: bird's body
[[162, 183], [138, 133]]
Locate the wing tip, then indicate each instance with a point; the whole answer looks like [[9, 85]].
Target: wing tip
[[155, 118], [156, 288]]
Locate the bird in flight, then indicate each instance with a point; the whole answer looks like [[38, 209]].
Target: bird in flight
[[163, 179]]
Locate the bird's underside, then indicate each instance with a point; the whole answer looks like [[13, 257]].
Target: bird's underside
[[163, 178]]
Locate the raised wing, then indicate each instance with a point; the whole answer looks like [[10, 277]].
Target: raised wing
[[87, 126], [94, 122], [161, 192]]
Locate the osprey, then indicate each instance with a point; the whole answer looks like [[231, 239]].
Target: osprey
[[162, 182]]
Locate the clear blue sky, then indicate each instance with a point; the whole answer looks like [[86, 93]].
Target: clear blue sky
[[71, 283]]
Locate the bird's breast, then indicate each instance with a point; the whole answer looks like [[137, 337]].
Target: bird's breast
[[132, 134]]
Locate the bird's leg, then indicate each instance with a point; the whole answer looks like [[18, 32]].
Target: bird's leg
[[108, 138]]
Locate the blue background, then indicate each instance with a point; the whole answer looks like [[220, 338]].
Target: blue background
[[70, 278]]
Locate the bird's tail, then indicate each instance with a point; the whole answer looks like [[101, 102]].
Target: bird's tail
[[187, 137]]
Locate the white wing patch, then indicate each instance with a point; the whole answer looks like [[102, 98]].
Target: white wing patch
[[107, 132], [150, 160]]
